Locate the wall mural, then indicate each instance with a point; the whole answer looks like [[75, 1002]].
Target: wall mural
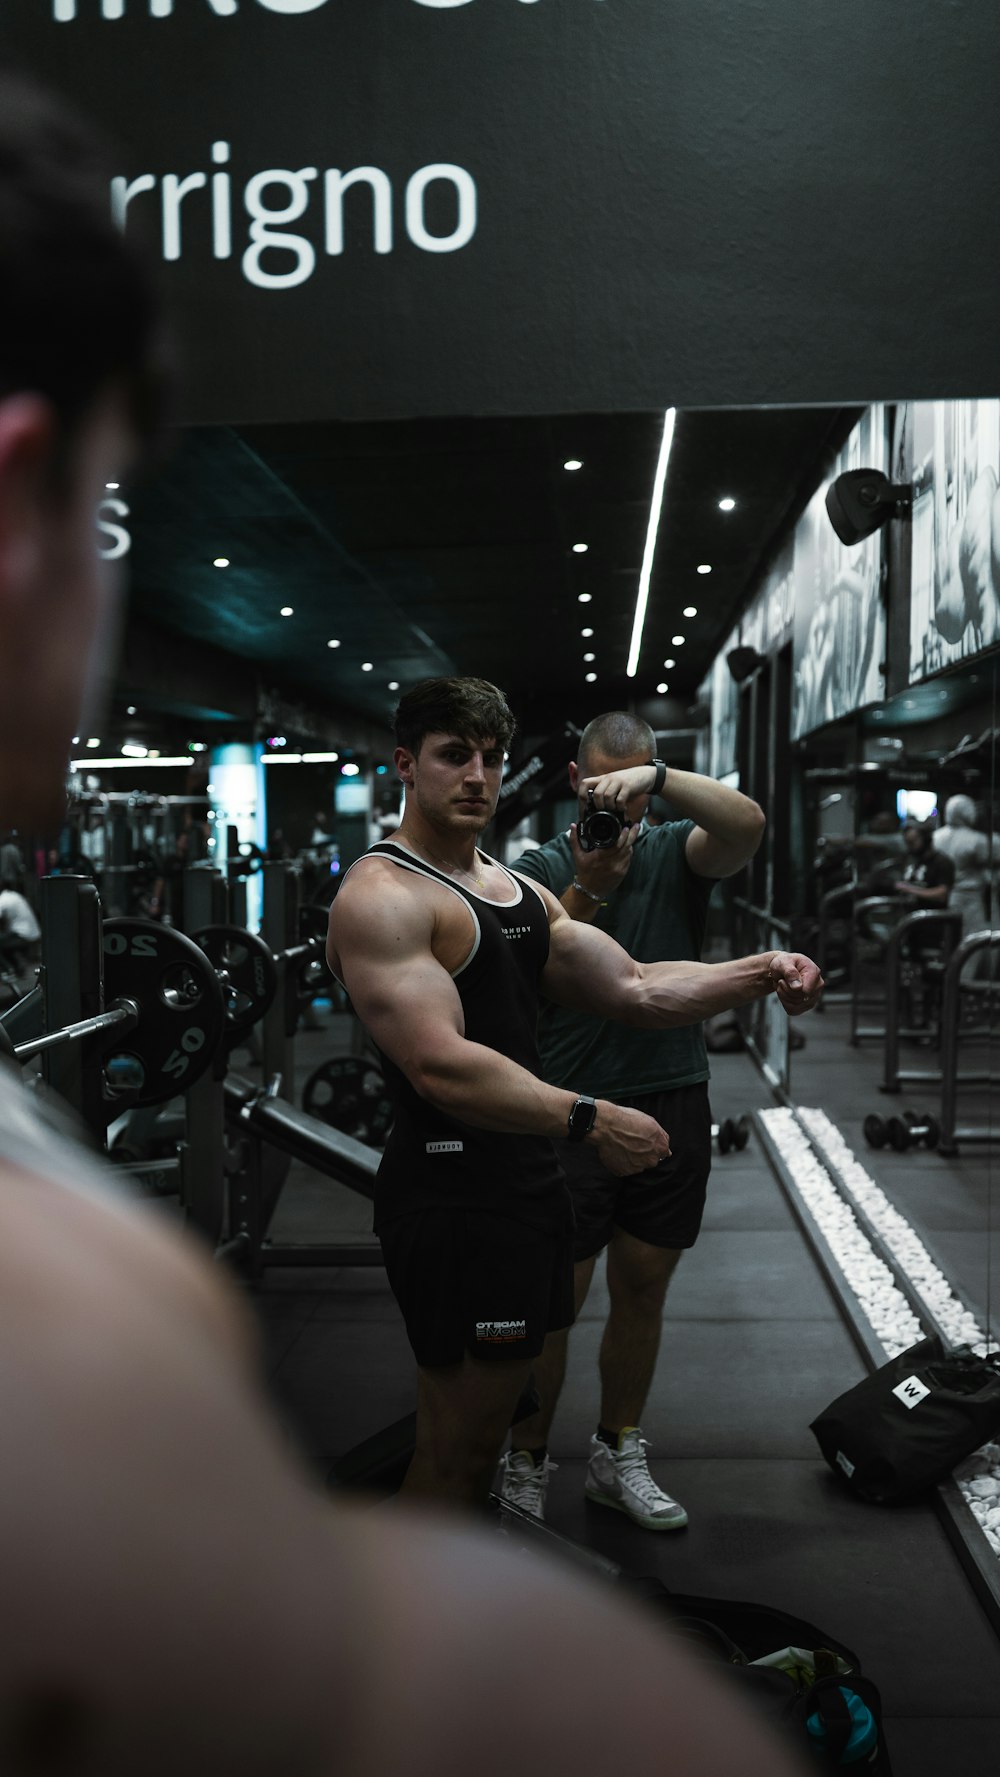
[[954, 447]]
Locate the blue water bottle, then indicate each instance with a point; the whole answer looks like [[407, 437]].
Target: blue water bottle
[[863, 1742]]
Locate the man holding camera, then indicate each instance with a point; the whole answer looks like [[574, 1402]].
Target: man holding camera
[[648, 888]]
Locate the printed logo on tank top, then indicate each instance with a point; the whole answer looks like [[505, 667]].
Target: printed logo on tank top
[[516, 931], [444, 1147], [500, 1332]]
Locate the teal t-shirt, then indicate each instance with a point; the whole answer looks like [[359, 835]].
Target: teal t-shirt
[[658, 914]]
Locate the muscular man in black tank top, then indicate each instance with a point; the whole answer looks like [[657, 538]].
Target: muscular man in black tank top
[[444, 954]]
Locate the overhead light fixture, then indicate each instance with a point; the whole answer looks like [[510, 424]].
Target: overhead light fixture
[[112, 486], [573, 463], [690, 611], [393, 685], [221, 561], [131, 710], [590, 657], [580, 548], [132, 750], [583, 598], [590, 677], [320, 758], [367, 666], [861, 500], [350, 769], [655, 509], [281, 758], [120, 764], [661, 687], [94, 743], [677, 641], [726, 505], [669, 663], [705, 568], [286, 611], [586, 632]]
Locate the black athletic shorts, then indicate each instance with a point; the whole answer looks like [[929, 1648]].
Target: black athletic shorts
[[662, 1206], [478, 1283]]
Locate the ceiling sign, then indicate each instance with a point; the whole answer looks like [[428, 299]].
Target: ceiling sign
[[366, 208]]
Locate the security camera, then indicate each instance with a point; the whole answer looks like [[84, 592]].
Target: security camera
[[861, 500]]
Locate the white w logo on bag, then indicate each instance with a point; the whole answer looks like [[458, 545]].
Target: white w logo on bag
[[911, 1391]]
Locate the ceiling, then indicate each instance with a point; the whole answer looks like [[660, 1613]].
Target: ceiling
[[442, 546]]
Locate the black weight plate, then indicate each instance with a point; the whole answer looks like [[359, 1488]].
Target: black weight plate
[[350, 1094], [899, 1134], [876, 1133], [181, 1012], [253, 975], [933, 1136]]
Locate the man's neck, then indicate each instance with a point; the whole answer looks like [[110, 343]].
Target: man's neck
[[453, 850]]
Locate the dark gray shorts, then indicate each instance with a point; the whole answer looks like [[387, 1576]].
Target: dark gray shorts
[[663, 1206]]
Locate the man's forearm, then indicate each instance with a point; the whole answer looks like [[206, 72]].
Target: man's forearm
[[489, 1091], [670, 994], [726, 814]]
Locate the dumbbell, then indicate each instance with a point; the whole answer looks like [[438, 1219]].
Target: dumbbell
[[728, 1134], [902, 1132]]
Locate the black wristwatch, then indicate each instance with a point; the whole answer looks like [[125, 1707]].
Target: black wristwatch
[[661, 773], [582, 1118]]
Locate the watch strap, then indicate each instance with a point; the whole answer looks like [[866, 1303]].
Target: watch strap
[[661, 774]]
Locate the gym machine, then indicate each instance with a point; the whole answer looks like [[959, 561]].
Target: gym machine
[[921, 973]]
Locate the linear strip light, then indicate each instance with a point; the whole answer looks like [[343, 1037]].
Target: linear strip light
[[119, 764], [656, 505], [299, 758]]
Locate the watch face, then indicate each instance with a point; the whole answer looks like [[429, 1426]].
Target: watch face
[[582, 1118]]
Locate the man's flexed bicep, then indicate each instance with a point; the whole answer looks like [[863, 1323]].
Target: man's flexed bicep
[[380, 944]]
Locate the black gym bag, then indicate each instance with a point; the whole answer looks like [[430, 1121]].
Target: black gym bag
[[902, 1429], [819, 1682]]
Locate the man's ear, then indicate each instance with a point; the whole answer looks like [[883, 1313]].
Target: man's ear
[[404, 762], [574, 776], [28, 430]]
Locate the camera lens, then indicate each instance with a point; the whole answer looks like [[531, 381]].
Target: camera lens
[[599, 829]]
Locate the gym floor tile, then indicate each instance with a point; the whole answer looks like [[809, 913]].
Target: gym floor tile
[[737, 1199], [722, 1389], [783, 1533], [927, 1746], [724, 1273]]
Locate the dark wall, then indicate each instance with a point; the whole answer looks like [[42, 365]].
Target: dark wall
[[650, 201]]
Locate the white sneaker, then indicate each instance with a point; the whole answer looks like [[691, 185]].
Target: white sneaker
[[621, 1479], [524, 1485]]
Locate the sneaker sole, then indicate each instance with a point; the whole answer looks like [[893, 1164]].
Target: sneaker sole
[[603, 1499]]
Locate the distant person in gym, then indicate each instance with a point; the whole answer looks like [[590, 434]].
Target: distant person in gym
[[444, 954], [974, 857], [929, 873], [650, 892], [179, 1596]]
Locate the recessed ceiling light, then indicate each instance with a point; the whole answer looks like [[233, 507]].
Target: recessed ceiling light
[[590, 657], [661, 687], [94, 743], [286, 611], [573, 463], [590, 677], [705, 568], [586, 632], [131, 710], [111, 485], [583, 598], [580, 548], [393, 685], [669, 663], [221, 561], [367, 666], [677, 641], [333, 644], [726, 505], [690, 611]]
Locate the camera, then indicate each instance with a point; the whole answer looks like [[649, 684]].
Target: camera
[[599, 828]]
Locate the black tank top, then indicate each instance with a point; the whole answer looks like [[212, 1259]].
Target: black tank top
[[433, 1160]]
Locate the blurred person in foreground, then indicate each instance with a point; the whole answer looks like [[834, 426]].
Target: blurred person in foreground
[[179, 1596]]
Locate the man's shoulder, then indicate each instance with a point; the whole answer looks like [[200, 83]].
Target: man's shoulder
[[546, 863]]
